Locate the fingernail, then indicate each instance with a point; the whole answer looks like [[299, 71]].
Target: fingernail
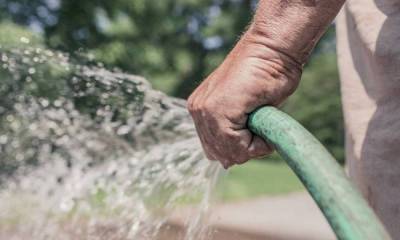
[[226, 165], [252, 148]]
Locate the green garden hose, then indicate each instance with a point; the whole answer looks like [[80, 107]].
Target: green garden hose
[[345, 209]]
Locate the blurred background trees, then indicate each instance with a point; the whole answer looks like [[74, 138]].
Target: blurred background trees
[[174, 44]]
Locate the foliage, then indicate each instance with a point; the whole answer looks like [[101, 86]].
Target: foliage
[[317, 104], [175, 44], [14, 35]]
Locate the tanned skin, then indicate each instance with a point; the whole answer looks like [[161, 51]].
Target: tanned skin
[[264, 68]]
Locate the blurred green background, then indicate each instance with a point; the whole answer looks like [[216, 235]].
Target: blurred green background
[[174, 44]]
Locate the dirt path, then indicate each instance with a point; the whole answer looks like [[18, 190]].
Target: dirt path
[[294, 216]]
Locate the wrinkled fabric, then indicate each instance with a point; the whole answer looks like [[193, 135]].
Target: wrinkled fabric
[[368, 35]]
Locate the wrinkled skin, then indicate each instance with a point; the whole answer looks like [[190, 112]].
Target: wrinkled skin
[[251, 76], [264, 68]]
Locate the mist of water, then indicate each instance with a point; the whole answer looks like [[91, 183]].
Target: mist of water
[[89, 153]]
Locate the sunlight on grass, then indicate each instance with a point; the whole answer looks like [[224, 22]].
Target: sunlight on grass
[[257, 178]]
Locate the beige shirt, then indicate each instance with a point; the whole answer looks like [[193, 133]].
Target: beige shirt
[[369, 62]]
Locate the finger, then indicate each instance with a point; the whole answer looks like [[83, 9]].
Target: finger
[[209, 155], [238, 145], [227, 164], [213, 144], [206, 148], [259, 148], [203, 137]]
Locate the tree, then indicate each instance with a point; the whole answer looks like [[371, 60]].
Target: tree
[[317, 104], [174, 43]]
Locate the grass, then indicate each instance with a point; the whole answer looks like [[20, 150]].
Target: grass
[[257, 178]]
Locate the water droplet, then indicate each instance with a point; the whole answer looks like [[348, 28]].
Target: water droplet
[[44, 102], [19, 157], [67, 205], [3, 139], [10, 118], [24, 40], [32, 70], [123, 130], [49, 53], [58, 103], [4, 58]]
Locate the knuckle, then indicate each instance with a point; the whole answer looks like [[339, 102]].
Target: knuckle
[[231, 137], [206, 106], [191, 104], [209, 105]]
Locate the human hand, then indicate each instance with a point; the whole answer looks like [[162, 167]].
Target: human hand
[[252, 75]]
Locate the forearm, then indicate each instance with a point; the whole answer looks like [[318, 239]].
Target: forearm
[[292, 27]]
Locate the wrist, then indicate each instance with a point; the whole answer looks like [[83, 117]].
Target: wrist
[[269, 52], [293, 27], [297, 48], [274, 74]]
